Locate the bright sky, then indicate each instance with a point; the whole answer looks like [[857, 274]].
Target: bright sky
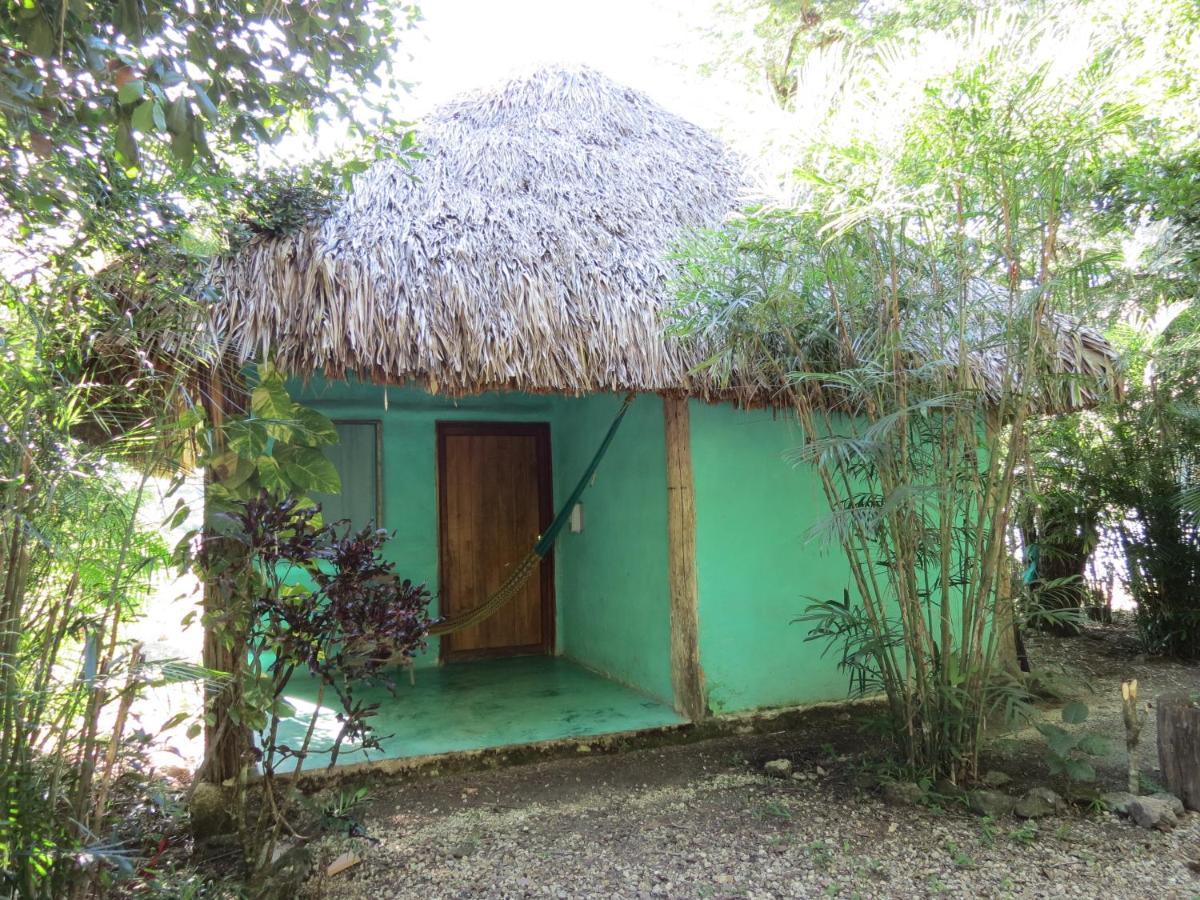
[[654, 46]]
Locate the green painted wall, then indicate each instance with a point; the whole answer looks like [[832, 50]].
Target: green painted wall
[[610, 580], [756, 565], [615, 615], [409, 459]]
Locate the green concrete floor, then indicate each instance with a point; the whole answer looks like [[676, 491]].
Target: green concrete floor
[[471, 705]]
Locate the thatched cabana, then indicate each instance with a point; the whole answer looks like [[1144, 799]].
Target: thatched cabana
[[470, 322]]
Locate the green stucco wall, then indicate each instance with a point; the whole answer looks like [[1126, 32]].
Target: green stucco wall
[[617, 617], [610, 580], [756, 564]]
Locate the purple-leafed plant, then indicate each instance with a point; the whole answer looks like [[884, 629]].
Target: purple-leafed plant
[[322, 599]]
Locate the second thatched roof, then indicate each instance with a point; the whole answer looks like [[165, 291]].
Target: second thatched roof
[[527, 249]]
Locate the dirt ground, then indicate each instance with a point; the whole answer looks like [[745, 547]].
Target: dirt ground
[[702, 820]]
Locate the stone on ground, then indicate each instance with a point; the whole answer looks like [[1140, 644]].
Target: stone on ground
[[1118, 801], [1037, 803], [902, 793], [994, 778], [1171, 800], [1153, 812], [990, 803], [779, 768]]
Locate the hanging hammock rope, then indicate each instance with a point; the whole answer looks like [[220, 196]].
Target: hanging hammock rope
[[527, 566]]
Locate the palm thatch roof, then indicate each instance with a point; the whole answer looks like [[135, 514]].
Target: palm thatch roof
[[529, 248]]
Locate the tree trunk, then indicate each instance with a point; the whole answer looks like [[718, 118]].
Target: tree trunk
[[1179, 746], [226, 743]]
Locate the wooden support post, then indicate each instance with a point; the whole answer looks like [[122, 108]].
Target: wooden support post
[[687, 678]]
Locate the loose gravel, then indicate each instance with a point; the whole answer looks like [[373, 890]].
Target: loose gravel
[[703, 820]]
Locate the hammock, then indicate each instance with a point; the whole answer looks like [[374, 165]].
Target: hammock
[[513, 583]]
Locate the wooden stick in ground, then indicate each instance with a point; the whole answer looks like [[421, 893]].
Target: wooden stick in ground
[[1133, 730]]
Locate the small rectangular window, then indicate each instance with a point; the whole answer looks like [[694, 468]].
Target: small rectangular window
[[356, 457]]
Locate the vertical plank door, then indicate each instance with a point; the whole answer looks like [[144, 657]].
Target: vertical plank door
[[494, 492]]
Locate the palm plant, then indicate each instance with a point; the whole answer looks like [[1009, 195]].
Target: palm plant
[[907, 309]]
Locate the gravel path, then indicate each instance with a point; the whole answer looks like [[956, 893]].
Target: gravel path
[[702, 821]]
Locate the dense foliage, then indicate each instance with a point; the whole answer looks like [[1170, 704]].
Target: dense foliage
[[132, 136], [950, 192]]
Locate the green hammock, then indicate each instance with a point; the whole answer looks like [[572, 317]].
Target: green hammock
[[512, 584]]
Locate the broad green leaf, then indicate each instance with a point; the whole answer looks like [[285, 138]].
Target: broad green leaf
[[231, 469], [206, 105], [281, 432], [1058, 739], [248, 438], [271, 475], [315, 429], [183, 148], [309, 469], [143, 116], [270, 400], [176, 719], [126, 145], [283, 709], [1075, 712], [131, 91], [1093, 745], [177, 115]]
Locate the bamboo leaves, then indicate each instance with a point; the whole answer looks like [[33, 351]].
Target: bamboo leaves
[[910, 312]]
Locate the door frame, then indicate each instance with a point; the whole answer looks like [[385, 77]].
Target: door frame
[[540, 431]]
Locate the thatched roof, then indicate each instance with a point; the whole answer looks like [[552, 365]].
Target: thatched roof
[[529, 249]]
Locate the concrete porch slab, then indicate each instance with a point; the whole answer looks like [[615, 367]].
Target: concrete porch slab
[[477, 705]]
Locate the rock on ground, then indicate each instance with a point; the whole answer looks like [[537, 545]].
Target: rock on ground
[[1153, 812], [779, 768], [1039, 802], [995, 804]]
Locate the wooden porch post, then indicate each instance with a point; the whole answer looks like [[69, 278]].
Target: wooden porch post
[[687, 678]]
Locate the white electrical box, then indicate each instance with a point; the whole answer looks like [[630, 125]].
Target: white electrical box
[[577, 518]]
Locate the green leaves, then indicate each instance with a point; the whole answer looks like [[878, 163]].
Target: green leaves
[[147, 88], [275, 448], [313, 428], [131, 91], [1068, 751], [308, 469], [149, 117], [1074, 713]]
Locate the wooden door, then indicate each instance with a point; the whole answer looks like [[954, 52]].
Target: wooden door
[[494, 496]]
